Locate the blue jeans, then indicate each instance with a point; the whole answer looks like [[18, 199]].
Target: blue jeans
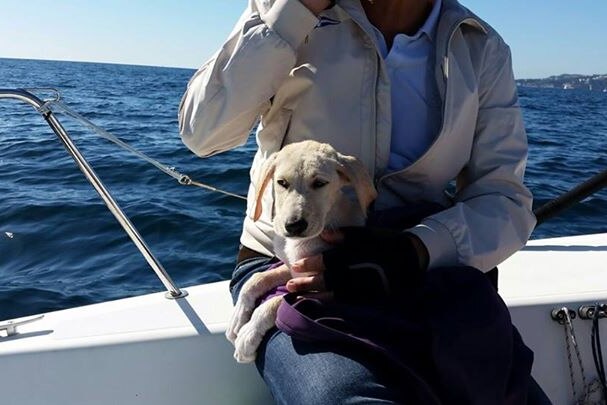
[[307, 373], [298, 372]]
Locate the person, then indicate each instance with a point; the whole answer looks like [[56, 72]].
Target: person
[[422, 92]]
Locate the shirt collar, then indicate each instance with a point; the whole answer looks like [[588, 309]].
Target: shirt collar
[[429, 27]]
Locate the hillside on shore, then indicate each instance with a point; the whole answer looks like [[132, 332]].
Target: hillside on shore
[[568, 82]]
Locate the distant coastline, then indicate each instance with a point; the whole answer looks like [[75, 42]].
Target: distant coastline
[[568, 82], [596, 82]]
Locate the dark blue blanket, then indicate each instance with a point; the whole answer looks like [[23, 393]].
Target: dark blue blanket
[[451, 342]]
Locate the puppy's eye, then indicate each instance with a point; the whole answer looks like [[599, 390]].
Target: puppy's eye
[[283, 183], [319, 184]]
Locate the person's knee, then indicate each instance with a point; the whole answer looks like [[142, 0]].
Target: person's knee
[[304, 373]]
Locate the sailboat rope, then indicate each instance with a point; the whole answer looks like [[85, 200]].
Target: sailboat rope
[[570, 340], [183, 179], [597, 351], [588, 389], [592, 185]]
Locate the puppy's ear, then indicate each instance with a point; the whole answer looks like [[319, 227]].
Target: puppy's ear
[[352, 171], [265, 176]]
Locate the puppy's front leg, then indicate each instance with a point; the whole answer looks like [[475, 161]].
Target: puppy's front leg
[[252, 333], [253, 289]]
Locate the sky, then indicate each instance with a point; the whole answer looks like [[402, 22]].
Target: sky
[[547, 37]]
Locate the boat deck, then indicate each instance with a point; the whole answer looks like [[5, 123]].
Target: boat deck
[[152, 350], [556, 270]]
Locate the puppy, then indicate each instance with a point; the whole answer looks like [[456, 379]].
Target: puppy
[[307, 178]]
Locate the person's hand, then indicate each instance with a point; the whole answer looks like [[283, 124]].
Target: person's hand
[[312, 279], [309, 271], [316, 6], [369, 265]]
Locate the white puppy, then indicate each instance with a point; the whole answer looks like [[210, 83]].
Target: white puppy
[[307, 178]]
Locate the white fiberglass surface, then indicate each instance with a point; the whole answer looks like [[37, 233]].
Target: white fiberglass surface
[[556, 269]]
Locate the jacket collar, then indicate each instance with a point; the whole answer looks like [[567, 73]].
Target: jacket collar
[[452, 16]]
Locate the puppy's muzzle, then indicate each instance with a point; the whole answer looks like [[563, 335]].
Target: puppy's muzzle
[[297, 227]]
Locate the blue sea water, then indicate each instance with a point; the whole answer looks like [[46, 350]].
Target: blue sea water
[[60, 247]]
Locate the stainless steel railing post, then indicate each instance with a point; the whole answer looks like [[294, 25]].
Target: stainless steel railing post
[[89, 173]]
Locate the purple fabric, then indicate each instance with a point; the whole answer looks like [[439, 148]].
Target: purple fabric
[[451, 342], [305, 319], [274, 292]]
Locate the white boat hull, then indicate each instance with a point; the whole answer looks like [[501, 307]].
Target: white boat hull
[[151, 350], [143, 350], [189, 370], [549, 274]]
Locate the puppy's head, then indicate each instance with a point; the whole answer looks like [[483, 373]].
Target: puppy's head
[[307, 178]]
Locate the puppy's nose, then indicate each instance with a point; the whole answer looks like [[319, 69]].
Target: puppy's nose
[[297, 227]]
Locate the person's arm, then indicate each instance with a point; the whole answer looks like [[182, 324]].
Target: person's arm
[[227, 94], [492, 217]]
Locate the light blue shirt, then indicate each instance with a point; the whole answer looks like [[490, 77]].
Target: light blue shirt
[[416, 106]]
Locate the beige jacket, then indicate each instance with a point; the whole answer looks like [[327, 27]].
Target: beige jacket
[[329, 83]]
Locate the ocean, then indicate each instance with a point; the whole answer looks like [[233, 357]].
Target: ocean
[[60, 247]]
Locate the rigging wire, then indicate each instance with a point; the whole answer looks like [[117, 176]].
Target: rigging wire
[[571, 342], [542, 213], [550, 209], [597, 352], [183, 179]]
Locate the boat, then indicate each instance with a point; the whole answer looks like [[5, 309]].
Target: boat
[[169, 347]]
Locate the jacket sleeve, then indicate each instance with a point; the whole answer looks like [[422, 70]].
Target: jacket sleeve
[[492, 216], [227, 94]]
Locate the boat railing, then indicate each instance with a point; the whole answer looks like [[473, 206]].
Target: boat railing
[[27, 97]]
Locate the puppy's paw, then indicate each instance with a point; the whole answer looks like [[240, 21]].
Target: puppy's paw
[[240, 316], [247, 342], [251, 333]]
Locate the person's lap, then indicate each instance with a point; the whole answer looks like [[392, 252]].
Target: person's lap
[[299, 372]]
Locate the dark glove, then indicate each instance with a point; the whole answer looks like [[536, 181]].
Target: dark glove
[[374, 265]]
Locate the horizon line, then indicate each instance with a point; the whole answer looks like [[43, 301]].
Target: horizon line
[[195, 68], [97, 62]]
